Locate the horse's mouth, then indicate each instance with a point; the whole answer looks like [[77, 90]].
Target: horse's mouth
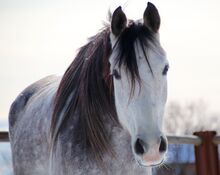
[[150, 165]]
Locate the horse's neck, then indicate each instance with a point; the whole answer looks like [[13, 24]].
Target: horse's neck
[[121, 163]]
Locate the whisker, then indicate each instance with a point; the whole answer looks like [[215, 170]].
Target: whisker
[[169, 168]]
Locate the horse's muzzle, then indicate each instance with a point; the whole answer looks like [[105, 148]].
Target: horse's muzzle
[[149, 154]]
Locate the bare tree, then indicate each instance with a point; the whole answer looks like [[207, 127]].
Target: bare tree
[[188, 118]]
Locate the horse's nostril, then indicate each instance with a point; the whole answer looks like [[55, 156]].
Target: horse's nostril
[[163, 144], [139, 147]]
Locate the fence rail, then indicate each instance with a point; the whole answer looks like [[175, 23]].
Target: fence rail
[[172, 139], [205, 144], [194, 140], [216, 140]]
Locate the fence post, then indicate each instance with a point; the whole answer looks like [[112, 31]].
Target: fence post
[[206, 154], [4, 137]]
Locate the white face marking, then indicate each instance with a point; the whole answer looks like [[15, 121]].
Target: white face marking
[[141, 114]]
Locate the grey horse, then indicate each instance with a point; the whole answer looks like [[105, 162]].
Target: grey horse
[[104, 115]]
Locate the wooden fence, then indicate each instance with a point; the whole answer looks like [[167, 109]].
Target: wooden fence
[[205, 144]]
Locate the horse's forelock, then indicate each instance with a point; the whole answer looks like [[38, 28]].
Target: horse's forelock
[[126, 50]]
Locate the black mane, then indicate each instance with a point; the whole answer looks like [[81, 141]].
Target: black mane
[[88, 87]]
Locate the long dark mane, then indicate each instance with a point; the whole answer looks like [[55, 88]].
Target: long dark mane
[[86, 89]]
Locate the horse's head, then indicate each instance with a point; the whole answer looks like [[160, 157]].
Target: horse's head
[[139, 67]]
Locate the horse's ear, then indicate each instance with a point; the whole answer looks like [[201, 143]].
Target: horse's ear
[[119, 21], [152, 17]]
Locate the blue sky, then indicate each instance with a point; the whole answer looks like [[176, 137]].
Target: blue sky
[[38, 38]]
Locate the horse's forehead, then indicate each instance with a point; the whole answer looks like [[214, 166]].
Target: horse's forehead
[[154, 51]]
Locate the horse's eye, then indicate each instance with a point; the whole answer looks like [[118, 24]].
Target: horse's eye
[[165, 70], [116, 74]]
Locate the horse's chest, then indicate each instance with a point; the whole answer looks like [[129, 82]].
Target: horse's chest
[[72, 160]]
